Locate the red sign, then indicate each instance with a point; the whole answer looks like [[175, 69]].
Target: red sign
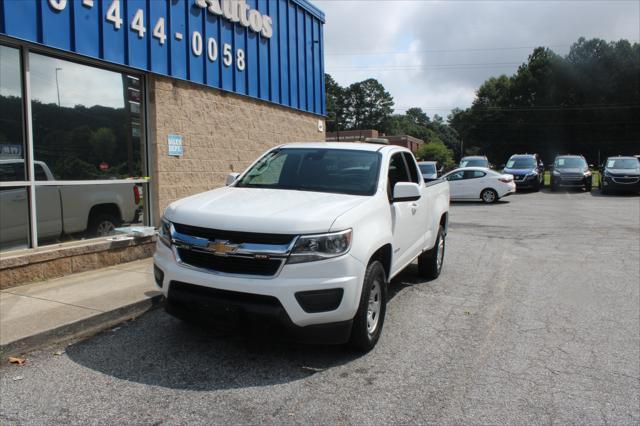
[[104, 166]]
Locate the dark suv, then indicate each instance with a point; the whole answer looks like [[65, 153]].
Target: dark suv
[[527, 170], [570, 171], [620, 174]]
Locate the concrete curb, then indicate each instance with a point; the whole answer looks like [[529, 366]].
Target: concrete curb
[[82, 328]]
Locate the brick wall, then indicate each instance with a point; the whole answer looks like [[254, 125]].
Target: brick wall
[[222, 133]]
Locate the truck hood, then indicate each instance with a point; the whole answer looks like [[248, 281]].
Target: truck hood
[[261, 210]]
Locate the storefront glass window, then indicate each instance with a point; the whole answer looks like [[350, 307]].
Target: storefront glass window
[[86, 121], [72, 212], [14, 218], [11, 122]]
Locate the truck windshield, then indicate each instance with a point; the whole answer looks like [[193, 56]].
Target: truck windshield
[[315, 169]]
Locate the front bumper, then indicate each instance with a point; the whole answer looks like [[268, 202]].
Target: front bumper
[[610, 183], [344, 273], [528, 182], [571, 183]]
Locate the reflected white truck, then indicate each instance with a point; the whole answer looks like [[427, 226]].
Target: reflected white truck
[[310, 236], [94, 210]]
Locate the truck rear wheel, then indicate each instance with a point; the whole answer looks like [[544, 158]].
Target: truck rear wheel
[[103, 224], [430, 262], [369, 319]]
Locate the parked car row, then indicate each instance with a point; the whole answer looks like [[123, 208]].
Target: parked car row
[[474, 179]]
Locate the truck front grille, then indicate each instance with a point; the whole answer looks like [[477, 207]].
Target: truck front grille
[[230, 264], [234, 237]]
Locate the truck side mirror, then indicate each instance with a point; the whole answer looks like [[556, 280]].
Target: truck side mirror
[[406, 191], [231, 177]]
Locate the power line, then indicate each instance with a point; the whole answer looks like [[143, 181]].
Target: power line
[[402, 67], [404, 52], [591, 107]]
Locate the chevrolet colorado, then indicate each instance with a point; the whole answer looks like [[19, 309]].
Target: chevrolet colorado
[[309, 235]]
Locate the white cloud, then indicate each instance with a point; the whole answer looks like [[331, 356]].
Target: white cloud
[[457, 33]]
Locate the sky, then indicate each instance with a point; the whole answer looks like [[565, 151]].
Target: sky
[[435, 54]]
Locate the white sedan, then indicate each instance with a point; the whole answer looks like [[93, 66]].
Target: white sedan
[[479, 183]]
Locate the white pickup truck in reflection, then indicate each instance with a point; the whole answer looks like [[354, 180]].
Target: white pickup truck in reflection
[[61, 210]]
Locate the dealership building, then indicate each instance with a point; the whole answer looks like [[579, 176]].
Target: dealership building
[[112, 109]]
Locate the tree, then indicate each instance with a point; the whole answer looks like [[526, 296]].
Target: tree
[[436, 151], [368, 105], [587, 102], [335, 95]]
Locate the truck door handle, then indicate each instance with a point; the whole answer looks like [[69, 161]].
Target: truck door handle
[[414, 208]]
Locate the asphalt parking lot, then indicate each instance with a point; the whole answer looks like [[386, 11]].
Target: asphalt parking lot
[[535, 319]]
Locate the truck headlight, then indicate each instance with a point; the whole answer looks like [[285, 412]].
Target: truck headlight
[[309, 248], [164, 232]]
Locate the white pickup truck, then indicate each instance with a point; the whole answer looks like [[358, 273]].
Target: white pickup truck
[[309, 235], [89, 210]]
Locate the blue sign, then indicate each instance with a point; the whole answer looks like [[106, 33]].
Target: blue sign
[[266, 49], [175, 145]]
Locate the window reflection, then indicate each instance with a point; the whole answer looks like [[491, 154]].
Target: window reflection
[[14, 218], [69, 212], [86, 121], [11, 127]]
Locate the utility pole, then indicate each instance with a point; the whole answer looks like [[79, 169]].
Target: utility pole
[[57, 86]]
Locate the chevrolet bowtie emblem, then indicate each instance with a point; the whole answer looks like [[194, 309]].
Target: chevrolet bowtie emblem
[[222, 247]]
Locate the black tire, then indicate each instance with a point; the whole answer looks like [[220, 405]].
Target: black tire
[[430, 262], [103, 224], [363, 337], [489, 196]]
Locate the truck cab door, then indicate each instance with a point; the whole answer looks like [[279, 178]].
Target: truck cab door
[[405, 226]]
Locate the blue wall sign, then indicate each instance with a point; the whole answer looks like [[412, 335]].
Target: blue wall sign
[[175, 145], [267, 49]]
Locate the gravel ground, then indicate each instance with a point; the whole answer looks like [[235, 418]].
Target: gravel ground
[[535, 319]]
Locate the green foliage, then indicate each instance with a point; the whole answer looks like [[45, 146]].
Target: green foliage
[[363, 105], [587, 102], [436, 151], [367, 105]]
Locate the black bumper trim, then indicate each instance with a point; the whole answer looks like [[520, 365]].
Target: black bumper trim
[[320, 300], [189, 301]]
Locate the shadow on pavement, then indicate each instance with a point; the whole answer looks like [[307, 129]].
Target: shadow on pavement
[[159, 350]]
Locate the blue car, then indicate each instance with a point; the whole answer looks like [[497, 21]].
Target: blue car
[[527, 171]]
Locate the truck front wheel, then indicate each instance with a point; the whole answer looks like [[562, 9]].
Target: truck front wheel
[[103, 224], [367, 324], [430, 262]]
